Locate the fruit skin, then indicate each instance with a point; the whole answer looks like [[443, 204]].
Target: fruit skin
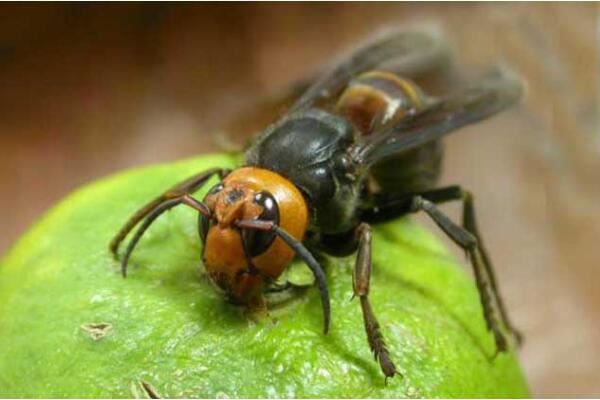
[[169, 328]]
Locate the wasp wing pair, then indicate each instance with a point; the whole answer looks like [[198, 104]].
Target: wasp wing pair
[[420, 56], [411, 54]]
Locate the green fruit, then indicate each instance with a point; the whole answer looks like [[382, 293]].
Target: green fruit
[[71, 326]]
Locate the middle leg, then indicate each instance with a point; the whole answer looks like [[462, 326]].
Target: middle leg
[[360, 285]]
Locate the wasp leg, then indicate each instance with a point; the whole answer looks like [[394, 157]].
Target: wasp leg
[[187, 186], [360, 284], [164, 206], [469, 222], [390, 208], [467, 241]]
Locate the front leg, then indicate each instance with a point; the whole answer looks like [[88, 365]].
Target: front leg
[[178, 194], [360, 284]]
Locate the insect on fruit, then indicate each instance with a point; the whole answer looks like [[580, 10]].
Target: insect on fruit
[[360, 146]]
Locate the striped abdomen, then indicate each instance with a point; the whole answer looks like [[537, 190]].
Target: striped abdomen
[[376, 99]]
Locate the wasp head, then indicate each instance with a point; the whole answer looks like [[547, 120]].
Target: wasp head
[[241, 262]]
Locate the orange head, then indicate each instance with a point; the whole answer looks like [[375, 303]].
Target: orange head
[[242, 261]]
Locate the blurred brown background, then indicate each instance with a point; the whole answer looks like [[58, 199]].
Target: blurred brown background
[[89, 89]]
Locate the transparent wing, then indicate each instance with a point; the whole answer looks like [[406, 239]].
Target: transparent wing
[[405, 53], [421, 56], [490, 95]]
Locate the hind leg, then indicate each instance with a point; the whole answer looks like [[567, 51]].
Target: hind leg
[[467, 237]]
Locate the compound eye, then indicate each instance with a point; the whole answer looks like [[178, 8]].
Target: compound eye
[[214, 190], [257, 242], [203, 226], [204, 222]]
